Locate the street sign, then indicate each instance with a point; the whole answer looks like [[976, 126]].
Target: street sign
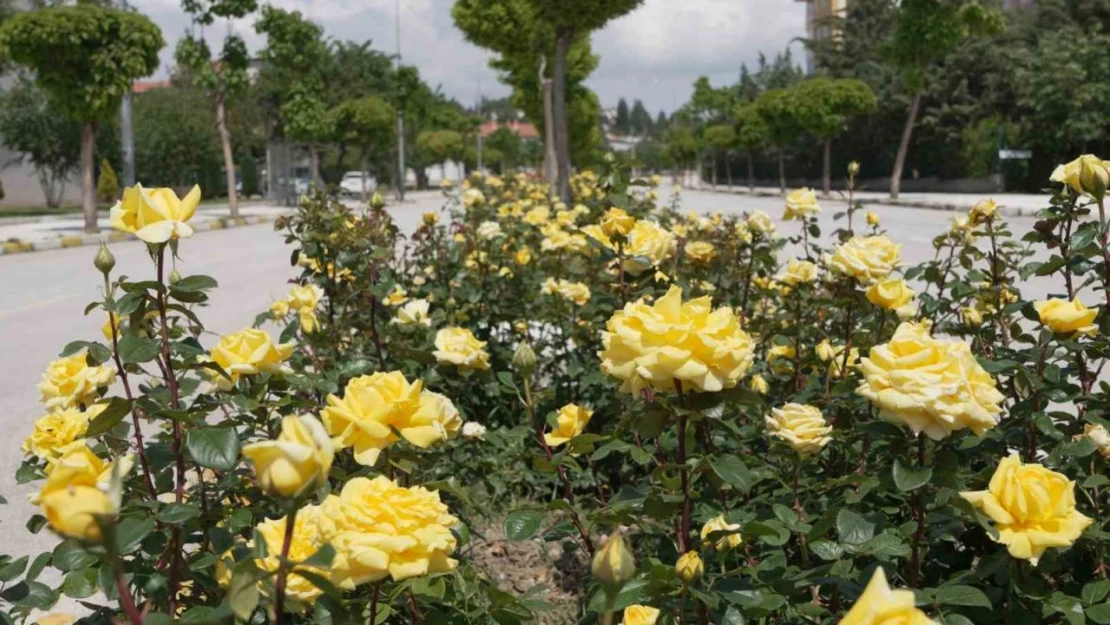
[[1021, 155]]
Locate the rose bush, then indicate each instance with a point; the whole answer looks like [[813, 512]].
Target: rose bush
[[723, 421]]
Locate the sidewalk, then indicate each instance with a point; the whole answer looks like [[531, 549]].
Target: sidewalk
[[33, 234], [1010, 204]]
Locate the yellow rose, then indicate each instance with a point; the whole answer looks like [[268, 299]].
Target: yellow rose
[[881, 605], [435, 419], [1033, 508], [1086, 175], [759, 221], [457, 346], [866, 259], [700, 251], [640, 615], [872, 218], [55, 430], [385, 530], [304, 300], [983, 211], [616, 221], [971, 317], [1064, 317], [1100, 437], [155, 215], [576, 292], [719, 524], [759, 385], [111, 328], [569, 422], [613, 564], [371, 407], [489, 230], [56, 618], [799, 272], [307, 538], [538, 216], [70, 382], [890, 294], [396, 297], [298, 461], [652, 346], [934, 386], [414, 313], [689, 567], [248, 352], [834, 355], [430, 219], [648, 245], [523, 256], [77, 463], [473, 197], [75, 492], [279, 309], [801, 203], [802, 427]]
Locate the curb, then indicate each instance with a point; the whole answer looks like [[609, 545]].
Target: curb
[[1008, 211], [115, 236]]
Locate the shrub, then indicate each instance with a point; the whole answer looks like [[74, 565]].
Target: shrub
[[107, 186]]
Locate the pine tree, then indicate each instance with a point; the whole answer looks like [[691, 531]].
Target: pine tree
[[622, 125]]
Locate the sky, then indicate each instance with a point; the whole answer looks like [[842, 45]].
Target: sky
[[654, 53]]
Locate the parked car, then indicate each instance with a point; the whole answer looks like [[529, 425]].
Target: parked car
[[351, 184]]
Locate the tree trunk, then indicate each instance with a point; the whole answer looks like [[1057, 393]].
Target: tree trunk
[[728, 170], [751, 174], [363, 194], [559, 112], [826, 174], [549, 168], [713, 175], [904, 147], [782, 170], [314, 163], [229, 159], [88, 187]]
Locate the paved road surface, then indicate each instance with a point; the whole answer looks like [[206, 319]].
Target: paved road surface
[[44, 295]]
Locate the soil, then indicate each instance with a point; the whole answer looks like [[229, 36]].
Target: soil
[[516, 567]]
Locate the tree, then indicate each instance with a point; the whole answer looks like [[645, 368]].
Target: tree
[[622, 125], [176, 143], [297, 56], [367, 124], [751, 135], [660, 125], [522, 27], [926, 32], [250, 176], [42, 136], [640, 119], [85, 58], [778, 110], [107, 185], [221, 77], [824, 106], [681, 148], [718, 139], [508, 144], [440, 146]]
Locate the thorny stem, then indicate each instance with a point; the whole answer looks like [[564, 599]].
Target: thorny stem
[[568, 491], [747, 282], [996, 284], [1105, 245], [919, 516], [684, 473], [178, 451], [374, 603], [126, 600], [414, 614], [140, 447], [283, 570]]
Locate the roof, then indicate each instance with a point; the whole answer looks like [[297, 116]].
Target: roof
[[524, 130], [141, 86]]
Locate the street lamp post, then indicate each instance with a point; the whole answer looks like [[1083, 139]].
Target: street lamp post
[[401, 170]]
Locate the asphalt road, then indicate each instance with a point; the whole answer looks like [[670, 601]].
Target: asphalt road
[[45, 293]]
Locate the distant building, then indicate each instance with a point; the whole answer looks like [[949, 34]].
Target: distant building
[[142, 86], [818, 27], [524, 130]]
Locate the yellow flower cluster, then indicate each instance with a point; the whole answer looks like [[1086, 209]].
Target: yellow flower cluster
[[303, 300], [576, 292], [867, 259], [656, 345], [459, 347], [934, 386], [247, 352], [1033, 508], [374, 407], [648, 244]]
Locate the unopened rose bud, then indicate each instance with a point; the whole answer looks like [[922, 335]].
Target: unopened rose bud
[[613, 564], [524, 360], [104, 260], [377, 201], [175, 277], [689, 567], [853, 168]]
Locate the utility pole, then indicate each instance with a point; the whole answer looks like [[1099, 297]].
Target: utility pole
[[127, 141], [402, 172]]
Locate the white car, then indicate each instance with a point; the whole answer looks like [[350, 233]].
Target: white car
[[351, 184]]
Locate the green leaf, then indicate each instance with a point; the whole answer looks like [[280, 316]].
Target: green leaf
[[13, 569], [214, 447], [732, 617], [117, 409], [733, 471], [963, 595], [69, 555], [523, 524], [1095, 591], [853, 528], [910, 478], [135, 349], [1099, 613], [174, 513], [242, 591], [80, 584], [130, 532], [195, 283]]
